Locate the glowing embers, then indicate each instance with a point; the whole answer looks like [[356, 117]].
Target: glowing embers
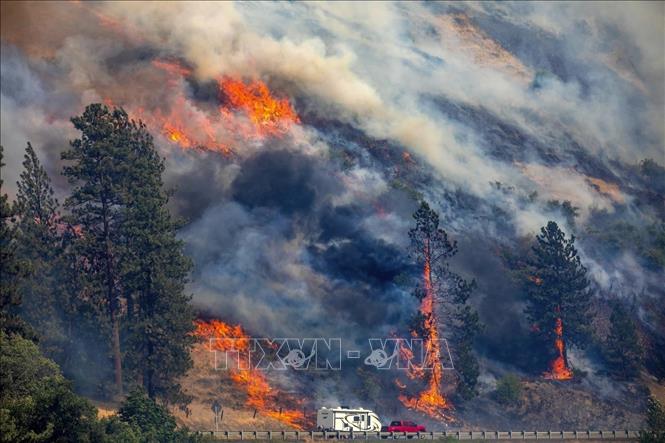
[[260, 395]]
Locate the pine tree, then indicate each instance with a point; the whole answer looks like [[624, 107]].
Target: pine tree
[[623, 351], [11, 270], [468, 369], [38, 245], [432, 250], [155, 272], [99, 178], [557, 288], [655, 432]]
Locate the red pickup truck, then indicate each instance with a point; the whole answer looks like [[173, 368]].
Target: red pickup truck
[[403, 426]]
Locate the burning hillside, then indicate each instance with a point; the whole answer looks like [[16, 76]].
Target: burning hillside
[[301, 145], [246, 109], [261, 396]]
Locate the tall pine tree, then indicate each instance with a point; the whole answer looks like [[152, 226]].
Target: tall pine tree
[[39, 246], [557, 289], [155, 271], [98, 173], [432, 250], [11, 270]]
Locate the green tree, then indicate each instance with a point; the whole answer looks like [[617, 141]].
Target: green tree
[[98, 173], [37, 404], [557, 288], [623, 351], [39, 247], [508, 390], [36, 401], [468, 369], [655, 423], [11, 270], [432, 250], [154, 273], [155, 423]]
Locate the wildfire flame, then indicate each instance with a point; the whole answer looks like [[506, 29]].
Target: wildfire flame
[[430, 401], [260, 395], [558, 368], [249, 111], [269, 116]]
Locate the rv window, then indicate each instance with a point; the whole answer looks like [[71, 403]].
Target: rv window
[[369, 420], [356, 418]]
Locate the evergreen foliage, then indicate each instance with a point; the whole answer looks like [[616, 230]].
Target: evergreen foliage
[[623, 351], [508, 390], [39, 247], [11, 269], [155, 270], [655, 432], [557, 287]]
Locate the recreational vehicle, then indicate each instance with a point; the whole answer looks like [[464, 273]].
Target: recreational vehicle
[[347, 419]]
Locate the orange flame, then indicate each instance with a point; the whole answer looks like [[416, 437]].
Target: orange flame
[[190, 127], [558, 368], [260, 395], [430, 401], [269, 116]]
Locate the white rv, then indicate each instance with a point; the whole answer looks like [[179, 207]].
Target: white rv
[[347, 419]]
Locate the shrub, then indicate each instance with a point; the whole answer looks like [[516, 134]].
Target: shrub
[[508, 390]]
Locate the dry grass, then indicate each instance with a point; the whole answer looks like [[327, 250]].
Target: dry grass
[[206, 385]]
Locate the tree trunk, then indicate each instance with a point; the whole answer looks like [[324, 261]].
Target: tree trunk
[[117, 361], [114, 303]]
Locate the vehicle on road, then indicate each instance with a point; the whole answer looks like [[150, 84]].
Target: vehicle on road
[[344, 418], [403, 426]]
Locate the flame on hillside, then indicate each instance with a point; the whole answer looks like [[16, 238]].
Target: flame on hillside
[[429, 401], [248, 112], [261, 396], [269, 116]]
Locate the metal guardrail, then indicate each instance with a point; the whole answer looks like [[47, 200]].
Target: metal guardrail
[[457, 435]]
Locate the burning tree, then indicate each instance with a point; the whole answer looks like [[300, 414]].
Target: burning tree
[[431, 250], [558, 296]]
